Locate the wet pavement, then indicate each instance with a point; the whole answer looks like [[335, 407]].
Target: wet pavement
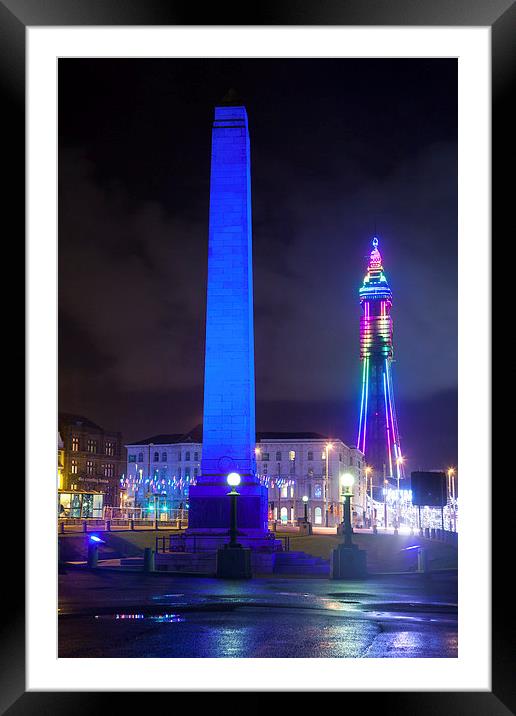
[[109, 614]]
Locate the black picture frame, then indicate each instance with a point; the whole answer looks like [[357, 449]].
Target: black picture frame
[[15, 17]]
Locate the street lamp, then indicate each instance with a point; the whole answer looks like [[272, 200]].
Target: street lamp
[[329, 446], [369, 471], [233, 480], [347, 480], [399, 463], [451, 492], [305, 501]]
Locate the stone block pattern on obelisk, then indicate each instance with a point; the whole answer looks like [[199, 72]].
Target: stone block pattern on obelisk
[[229, 434]]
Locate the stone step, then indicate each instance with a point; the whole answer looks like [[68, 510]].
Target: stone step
[[303, 569]]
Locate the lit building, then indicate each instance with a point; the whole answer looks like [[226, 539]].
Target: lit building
[[93, 458], [378, 436], [60, 462], [161, 469], [297, 465]]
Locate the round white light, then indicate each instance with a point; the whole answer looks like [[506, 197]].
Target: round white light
[[305, 498], [347, 479], [233, 479]]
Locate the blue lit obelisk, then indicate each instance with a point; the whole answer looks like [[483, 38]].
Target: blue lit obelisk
[[229, 436]]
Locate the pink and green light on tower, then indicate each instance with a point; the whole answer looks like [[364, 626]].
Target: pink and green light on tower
[[378, 436]]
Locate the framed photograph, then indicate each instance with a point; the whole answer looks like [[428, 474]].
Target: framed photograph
[[195, 551]]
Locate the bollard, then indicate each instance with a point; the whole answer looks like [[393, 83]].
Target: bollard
[[108, 525], [432, 533], [85, 526], [132, 524], [427, 532], [93, 555], [148, 559], [422, 560]]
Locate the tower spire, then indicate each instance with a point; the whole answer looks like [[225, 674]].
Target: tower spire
[[378, 436]]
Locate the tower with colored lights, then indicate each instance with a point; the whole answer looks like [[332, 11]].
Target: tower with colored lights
[[378, 436]]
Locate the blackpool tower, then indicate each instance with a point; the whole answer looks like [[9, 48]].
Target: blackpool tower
[[378, 436]]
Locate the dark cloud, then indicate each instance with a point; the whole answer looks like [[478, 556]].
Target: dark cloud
[[336, 147]]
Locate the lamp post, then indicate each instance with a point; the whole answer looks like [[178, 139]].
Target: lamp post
[[451, 493], [233, 480], [329, 446], [399, 463], [346, 481], [305, 504], [368, 471]]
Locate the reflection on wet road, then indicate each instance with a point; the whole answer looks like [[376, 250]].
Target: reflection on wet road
[[133, 615]]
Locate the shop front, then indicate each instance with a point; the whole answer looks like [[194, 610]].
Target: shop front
[[80, 504]]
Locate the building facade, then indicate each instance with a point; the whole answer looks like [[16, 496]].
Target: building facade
[[297, 465], [161, 469], [93, 458]]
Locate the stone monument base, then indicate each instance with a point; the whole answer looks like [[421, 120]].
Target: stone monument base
[[348, 562], [233, 563]]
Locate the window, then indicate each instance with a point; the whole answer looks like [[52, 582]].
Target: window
[[110, 448], [264, 468], [131, 458], [284, 492], [284, 517], [140, 457], [163, 457], [278, 455], [350, 460], [179, 456], [74, 467], [291, 492], [89, 467], [310, 455], [292, 455], [187, 473], [318, 492], [156, 457], [309, 489], [92, 445], [109, 470], [340, 457], [265, 456], [318, 516], [196, 457], [75, 444], [179, 472], [310, 472], [195, 471], [187, 456]]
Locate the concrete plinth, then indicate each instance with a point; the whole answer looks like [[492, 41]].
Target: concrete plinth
[[305, 528], [234, 563], [348, 563], [210, 507]]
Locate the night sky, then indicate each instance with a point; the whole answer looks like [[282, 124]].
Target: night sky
[[336, 146]]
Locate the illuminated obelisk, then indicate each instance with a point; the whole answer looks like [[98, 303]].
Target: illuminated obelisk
[[229, 437]]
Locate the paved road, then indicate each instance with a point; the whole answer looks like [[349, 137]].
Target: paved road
[[111, 614]]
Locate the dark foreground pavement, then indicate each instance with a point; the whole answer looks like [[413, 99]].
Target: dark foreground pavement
[[109, 614]]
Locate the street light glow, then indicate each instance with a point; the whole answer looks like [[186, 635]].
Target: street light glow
[[233, 479], [305, 498], [347, 479]]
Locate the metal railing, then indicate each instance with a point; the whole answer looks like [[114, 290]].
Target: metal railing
[[204, 543], [76, 525]]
